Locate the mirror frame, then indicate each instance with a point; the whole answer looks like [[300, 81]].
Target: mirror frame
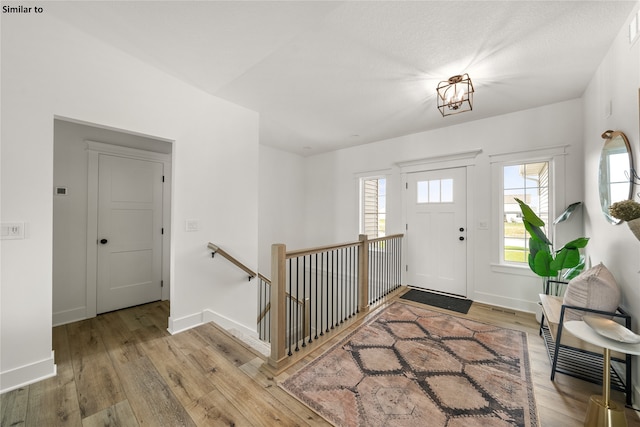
[[609, 136]]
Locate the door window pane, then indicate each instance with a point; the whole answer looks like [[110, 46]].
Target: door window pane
[[447, 190], [435, 191], [423, 191]]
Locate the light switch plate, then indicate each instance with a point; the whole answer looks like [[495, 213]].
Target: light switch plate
[[192, 225], [12, 230]]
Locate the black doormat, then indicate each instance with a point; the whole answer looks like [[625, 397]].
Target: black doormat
[[459, 305]]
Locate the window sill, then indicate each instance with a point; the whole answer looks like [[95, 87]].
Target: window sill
[[513, 269]]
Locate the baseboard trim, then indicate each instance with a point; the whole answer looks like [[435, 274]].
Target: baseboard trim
[[227, 324], [69, 316], [184, 323], [28, 374], [205, 316], [509, 303]]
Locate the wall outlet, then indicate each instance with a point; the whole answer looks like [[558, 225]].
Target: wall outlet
[[12, 230]]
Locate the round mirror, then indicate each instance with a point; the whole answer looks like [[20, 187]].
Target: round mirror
[[614, 177]]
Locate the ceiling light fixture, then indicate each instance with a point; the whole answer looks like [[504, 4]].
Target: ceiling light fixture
[[455, 95]]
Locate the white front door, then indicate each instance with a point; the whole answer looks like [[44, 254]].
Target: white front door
[[436, 230], [129, 269]]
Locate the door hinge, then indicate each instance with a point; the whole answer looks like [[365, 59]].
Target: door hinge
[[406, 267], [162, 230], [406, 185], [406, 227], [162, 283], [162, 178]]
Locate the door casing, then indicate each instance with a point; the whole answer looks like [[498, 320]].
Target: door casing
[[465, 159]]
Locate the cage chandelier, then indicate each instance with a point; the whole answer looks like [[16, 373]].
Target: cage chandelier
[[455, 95]]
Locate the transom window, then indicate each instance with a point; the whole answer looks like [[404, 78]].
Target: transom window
[[528, 182], [435, 191]]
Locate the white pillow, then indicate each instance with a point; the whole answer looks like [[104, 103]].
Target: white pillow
[[594, 288]]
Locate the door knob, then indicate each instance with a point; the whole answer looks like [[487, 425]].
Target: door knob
[[461, 238], [461, 228], [103, 241]]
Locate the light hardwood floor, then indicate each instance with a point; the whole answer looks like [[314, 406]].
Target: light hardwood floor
[[124, 369]]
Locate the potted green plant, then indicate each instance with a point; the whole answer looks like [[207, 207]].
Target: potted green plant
[[544, 260], [629, 211]]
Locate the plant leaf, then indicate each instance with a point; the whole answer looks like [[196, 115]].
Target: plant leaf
[[566, 258], [536, 233], [528, 214], [573, 272], [542, 264], [580, 242]]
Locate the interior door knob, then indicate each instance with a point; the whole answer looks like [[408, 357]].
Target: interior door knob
[[103, 241], [461, 228], [461, 238]]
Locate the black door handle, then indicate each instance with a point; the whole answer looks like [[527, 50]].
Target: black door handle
[[103, 241], [461, 238], [461, 228]]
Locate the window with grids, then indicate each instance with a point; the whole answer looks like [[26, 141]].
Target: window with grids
[[373, 207], [528, 182]]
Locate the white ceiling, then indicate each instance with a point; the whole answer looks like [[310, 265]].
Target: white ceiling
[[325, 75]]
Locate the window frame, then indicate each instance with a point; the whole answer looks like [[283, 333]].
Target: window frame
[[550, 209], [555, 156], [361, 203]]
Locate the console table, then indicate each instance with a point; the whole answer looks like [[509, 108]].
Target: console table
[[602, 411]]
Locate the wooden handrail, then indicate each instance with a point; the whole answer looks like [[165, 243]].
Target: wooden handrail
[[217, 250], [318, 249], [380, 239]]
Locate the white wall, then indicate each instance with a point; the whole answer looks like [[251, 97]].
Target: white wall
[[282, 201], [50, 69], [617, 81], [332, 179]]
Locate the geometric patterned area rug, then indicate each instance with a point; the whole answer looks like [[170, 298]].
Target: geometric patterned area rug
[[411, 366]]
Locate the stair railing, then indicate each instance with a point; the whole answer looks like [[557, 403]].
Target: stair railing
[[314, 291]]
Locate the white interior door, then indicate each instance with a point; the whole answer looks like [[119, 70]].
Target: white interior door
[[436, 230], [129, 269]]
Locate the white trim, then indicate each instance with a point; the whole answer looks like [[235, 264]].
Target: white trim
[[227, 323], [207, 315], [506, 302], [132, 153], [441, 161], [94, 150], [184, 323], [111, 128], [374, 173], [28, 374], [530, 155], [69, 316], [517, 270]]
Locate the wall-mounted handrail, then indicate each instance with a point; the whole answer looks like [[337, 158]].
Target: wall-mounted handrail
[[217, 250]]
